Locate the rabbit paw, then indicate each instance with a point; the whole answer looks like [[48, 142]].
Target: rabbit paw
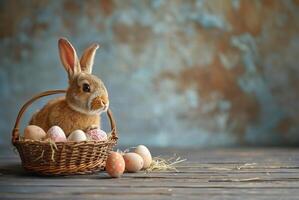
[[92, 127]]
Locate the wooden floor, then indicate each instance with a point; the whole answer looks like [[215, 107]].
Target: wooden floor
[[207, 174]]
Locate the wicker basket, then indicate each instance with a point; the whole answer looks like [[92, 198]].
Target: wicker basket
[[62, 158]]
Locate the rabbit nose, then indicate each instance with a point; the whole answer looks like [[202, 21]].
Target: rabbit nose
[[104, 100], [99, 102]]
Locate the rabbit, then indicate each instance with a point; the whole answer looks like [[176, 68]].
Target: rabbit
[[86, 96]]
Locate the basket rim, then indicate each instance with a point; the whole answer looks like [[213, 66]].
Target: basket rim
[[110, 140]]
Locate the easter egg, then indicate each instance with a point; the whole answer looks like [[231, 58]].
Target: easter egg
[[96, 134], [133, 162], [115, 165], [77, 136], [33, 132], [56, 134], [145, 154]]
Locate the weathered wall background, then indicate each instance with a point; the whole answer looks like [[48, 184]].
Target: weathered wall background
[[180, 73]]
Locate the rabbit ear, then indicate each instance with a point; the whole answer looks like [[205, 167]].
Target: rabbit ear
[[87, 58], [68, 57]]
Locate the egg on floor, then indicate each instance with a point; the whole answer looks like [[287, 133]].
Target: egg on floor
[[77, 136], [96, 134], [145, 154], [56, 134], [133, 162], [33, 132], [115, 164]]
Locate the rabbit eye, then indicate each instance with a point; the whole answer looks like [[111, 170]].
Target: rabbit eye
[[86, 87]]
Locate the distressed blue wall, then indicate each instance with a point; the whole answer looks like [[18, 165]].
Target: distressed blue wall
[[180, 73]]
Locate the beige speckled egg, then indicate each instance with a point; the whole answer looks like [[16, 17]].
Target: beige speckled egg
[[115, 165], [133, 161], [33, 132], [56, 134], [96, 134], [77, 136], [145, 154]]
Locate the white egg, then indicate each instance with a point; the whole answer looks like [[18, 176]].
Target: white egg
[[77, 136], [145, 154], [56, 134]]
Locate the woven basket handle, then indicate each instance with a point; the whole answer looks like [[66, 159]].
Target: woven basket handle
[[15, 131]]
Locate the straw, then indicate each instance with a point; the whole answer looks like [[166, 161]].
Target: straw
[[161, 164]]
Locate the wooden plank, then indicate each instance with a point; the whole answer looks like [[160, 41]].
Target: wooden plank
[[154, 183], [121, 193], [156, 175]]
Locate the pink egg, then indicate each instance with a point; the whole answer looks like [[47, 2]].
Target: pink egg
[[115, 165], [133, 162], [56, 134], [96, 134]]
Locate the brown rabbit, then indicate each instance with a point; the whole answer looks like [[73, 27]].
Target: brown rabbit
[[86, 95]]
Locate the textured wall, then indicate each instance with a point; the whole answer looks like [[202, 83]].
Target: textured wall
[[200, 73]]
